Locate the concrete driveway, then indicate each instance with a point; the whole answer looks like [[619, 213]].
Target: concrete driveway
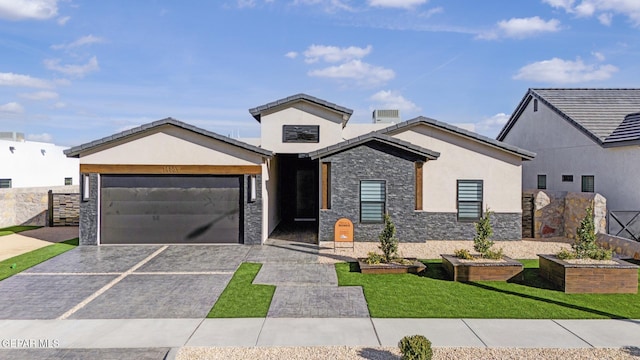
[[123, 282]]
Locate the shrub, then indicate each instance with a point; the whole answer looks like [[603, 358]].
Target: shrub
[[481, 241], [493, 254], [565, 254], [388, 240], [585, 243], [373, 258], [415, 347], [463, 254]]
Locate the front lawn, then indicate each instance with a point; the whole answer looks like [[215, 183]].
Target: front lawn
[[242, 299], [22, 262], [432, 296], [16, 229]]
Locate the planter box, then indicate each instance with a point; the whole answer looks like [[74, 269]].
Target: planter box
[[482, 271], [621, 277], [413, 268]]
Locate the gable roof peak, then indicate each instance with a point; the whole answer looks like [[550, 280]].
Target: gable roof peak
[[257, 111]]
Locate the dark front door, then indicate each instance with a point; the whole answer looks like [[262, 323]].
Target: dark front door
[[299, 188], [154, 209]]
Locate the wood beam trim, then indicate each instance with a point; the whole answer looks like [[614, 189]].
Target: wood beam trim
[[419, 182], [325, 185], [172, 169]]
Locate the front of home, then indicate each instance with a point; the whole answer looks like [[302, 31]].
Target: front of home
[[170, 182]]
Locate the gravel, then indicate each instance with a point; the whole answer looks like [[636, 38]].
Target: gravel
[[381, 353]]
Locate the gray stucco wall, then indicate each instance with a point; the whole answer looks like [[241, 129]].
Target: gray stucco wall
[[89, 214], [376, 162], [252, 213]]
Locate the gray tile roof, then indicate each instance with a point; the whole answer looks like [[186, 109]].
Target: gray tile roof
[[374, 136], [524, 154], [77, 150], [598, 113], [257, 111], [627, 131]]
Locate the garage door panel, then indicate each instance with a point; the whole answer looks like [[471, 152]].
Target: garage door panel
[[167, 210]]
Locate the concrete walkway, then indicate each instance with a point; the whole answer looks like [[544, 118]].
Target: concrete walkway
[[15, 244]]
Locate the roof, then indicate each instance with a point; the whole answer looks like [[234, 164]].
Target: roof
[[76, 150], [257, 111], [377, 137], [627, 131], [598, 113], [524, 154]]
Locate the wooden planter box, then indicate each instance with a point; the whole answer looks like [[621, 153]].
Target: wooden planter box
[[621, 277], [482, 271], [392, 268]]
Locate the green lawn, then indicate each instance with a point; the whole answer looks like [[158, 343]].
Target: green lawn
[[22, 262], [432, 296], [16, 229], [241, 299]]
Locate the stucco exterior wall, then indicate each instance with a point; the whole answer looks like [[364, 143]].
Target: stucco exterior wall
[[272, 197], [35, 164], [27, 206], [463, 159], [169, 145], [562, 149], [300, 113]]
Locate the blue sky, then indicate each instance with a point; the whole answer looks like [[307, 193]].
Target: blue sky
[[73, 71]]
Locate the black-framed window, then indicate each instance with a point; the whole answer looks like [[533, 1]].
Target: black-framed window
[[68, 181], [588, 183], [469, 200], [372, 201], [300, 133], [567, 178], [5, 183], [542, 182], [535, 105]]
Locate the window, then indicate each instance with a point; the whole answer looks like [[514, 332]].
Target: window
[[5, 183], [85, 187], [542, 182], [535, 105], [567, 178], [326, 185], [588, 183], [469, 200], [68, 181], [372, 201], [300, 133]]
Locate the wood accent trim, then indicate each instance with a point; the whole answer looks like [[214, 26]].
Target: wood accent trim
[[419, 177], [172, 169], [326, 185]]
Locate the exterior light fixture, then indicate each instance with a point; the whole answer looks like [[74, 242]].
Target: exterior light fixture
[[12, 149]]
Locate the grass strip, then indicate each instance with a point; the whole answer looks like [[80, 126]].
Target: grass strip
[[432, 295], [16, 229], [16, 264], [241, 298]]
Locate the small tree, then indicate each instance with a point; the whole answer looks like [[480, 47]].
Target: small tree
[[481, 241], [415, 347], [388, 240], [585, 246]]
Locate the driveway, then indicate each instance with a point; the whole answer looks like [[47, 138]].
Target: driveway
[[123, 282]]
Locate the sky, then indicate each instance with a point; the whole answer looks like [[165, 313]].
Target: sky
[[73, 71]]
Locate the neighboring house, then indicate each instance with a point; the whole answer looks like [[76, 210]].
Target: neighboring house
[[34, 164], [585, 139], [170, 182]]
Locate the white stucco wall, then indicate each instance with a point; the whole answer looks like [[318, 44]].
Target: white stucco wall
[[464, 159], [29, 166], [169, 145], [271, 202], [562, 149], [300, 113]]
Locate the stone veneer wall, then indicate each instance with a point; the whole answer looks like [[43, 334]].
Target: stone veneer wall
[[252, 213], [64, 209], [621, 246], [27, 206], [89, 213], [559, 213], [374, 162]]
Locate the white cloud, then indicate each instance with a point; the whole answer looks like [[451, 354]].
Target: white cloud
[[362, 73], [28, 9], [73, 70], [11, 79], [520, 28], [559, 71], [389, 99], [492, 125], [328, 5], [59, 105], [429, 13], [562, 4], [403, 4], [598, 55], [85, 40], [605, 19], [291, 54], [62, 21], [605, 9], [44, 137], [40, 95], [335, 54], [11, 108]]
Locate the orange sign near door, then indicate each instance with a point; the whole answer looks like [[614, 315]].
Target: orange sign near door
[[343, 230]]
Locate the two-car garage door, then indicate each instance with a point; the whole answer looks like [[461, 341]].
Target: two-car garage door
[[154, 209]]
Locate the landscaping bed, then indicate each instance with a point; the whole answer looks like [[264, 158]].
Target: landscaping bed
[[413, 267], [487, 270], [606, 277]]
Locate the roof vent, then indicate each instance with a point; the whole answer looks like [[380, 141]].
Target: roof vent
[[386, 116]]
